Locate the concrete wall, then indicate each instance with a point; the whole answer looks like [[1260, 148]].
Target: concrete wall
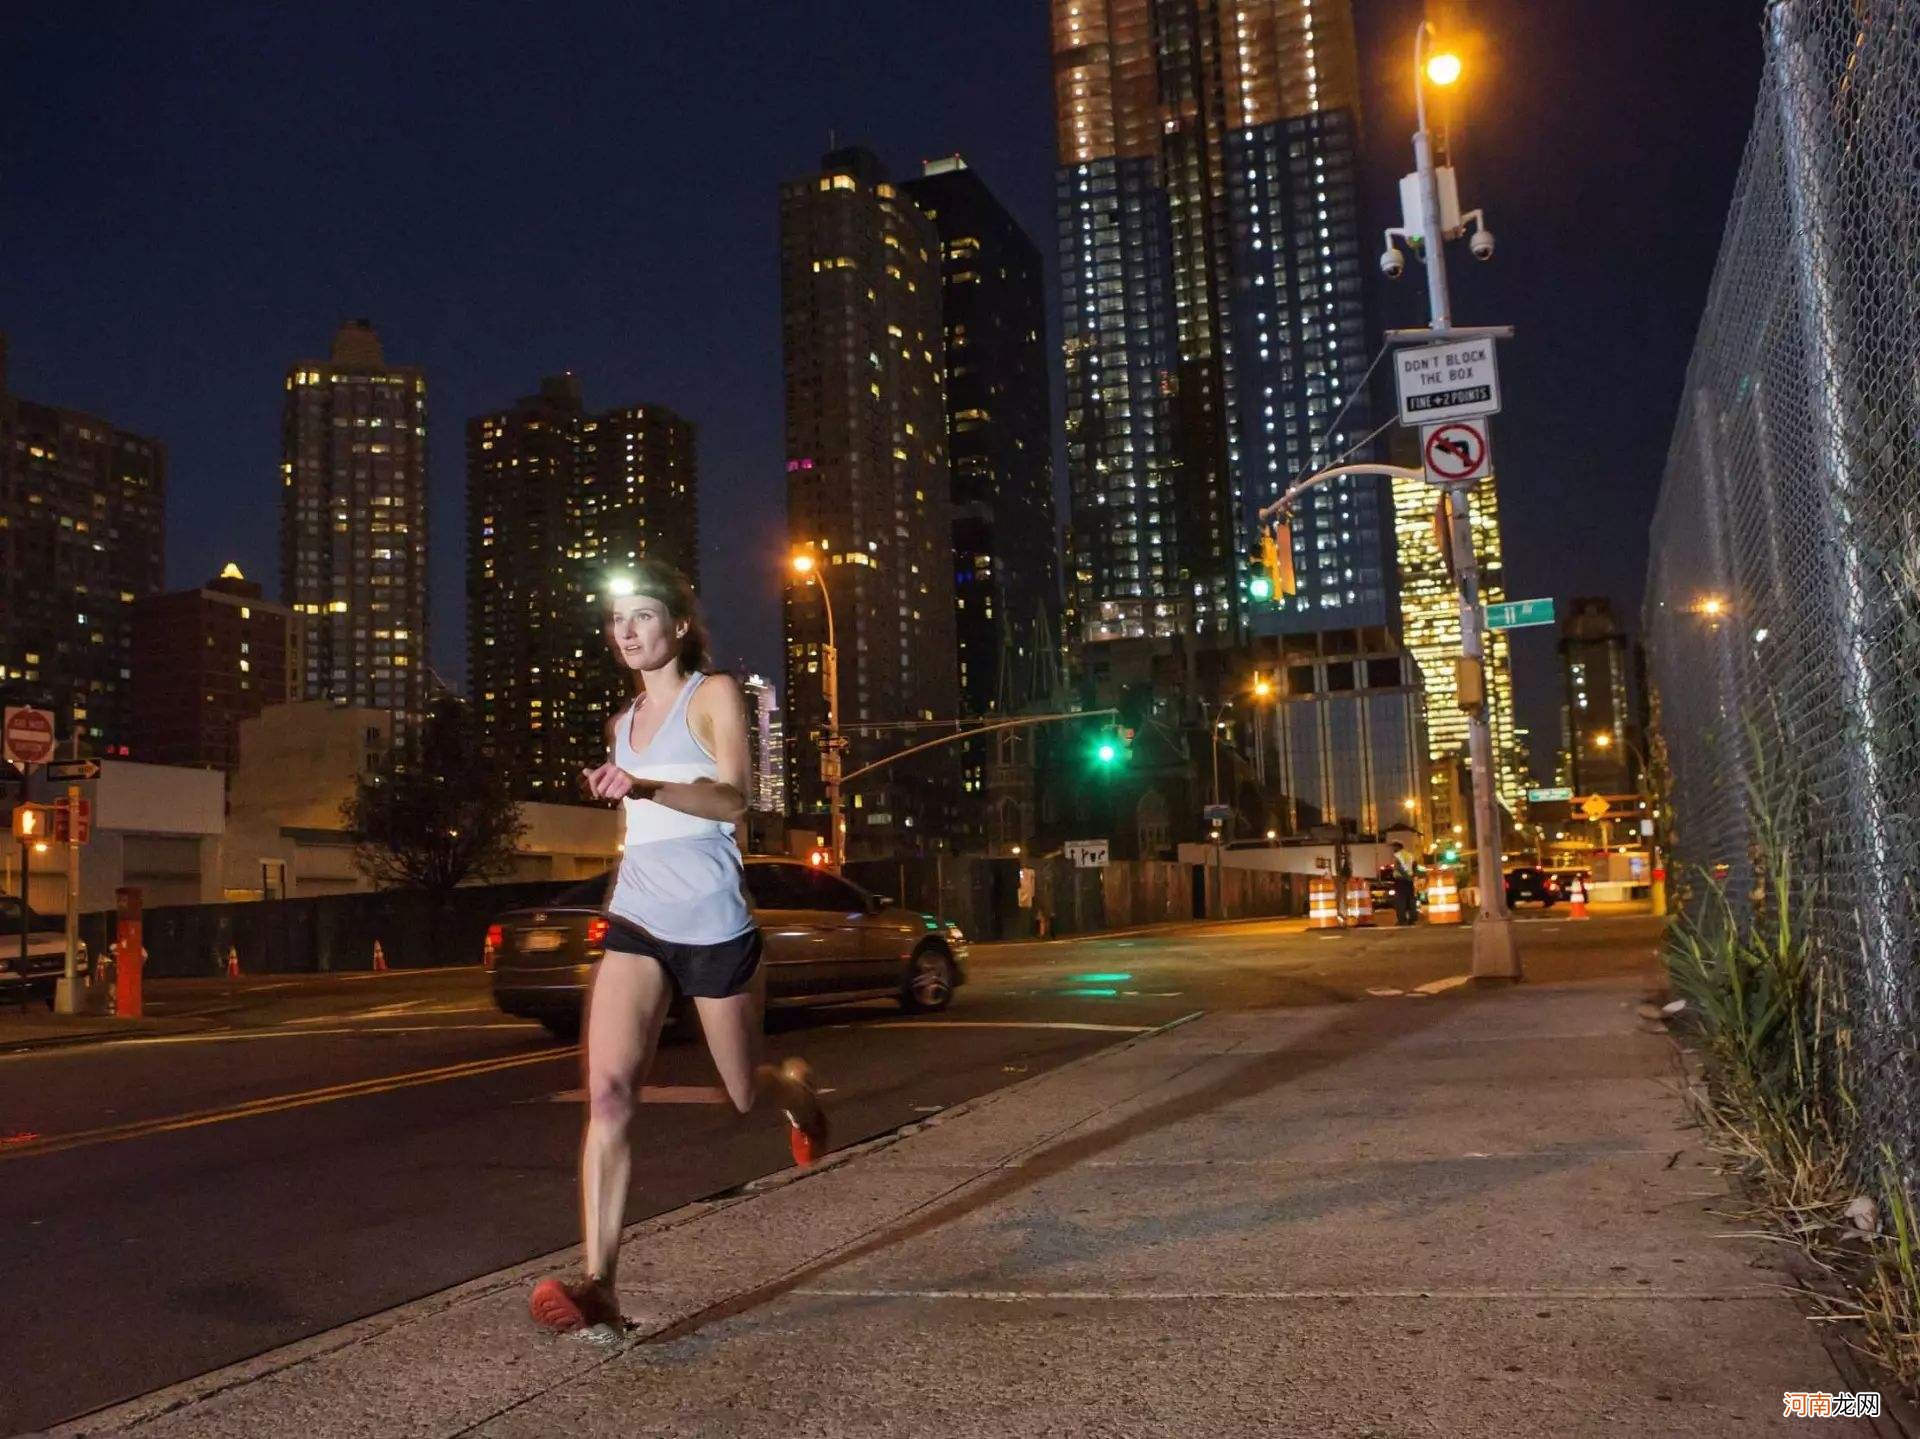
[[306, 936], [982, 895]]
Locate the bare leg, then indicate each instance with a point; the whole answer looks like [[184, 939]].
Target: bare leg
[[630, 1000], [736, 1038]]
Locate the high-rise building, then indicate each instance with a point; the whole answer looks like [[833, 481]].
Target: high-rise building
[[558, 500], [204, 660], [1006, 572], [353, 525], [867, 492], [1214, 313], [82, 504], [765, 746], [1597, 716], [1350, 734], [1430, 616]]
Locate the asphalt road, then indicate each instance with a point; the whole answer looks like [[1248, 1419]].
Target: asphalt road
[[335, 1146]]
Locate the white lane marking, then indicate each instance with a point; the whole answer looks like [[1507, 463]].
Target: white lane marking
[[1270, 1296], [1002, 1024], [308, 1033]]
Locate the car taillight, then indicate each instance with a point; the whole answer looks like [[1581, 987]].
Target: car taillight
[[596, 932], [496, 936]]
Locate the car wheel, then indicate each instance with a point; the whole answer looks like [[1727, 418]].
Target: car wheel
[[563, 1027], [929, 985]]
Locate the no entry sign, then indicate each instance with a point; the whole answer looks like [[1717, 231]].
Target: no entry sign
[[1456, 452], [29, 735]]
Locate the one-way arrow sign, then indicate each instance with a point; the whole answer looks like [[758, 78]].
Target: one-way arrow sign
[[65, 771]]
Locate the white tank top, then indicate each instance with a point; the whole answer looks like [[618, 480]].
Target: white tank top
[[680, 876]]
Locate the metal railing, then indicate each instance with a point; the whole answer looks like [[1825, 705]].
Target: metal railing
[[1783, 588]]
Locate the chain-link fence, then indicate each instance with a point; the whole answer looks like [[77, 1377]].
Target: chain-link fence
[[1783, 589]]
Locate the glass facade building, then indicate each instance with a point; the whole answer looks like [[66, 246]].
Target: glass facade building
[[1215, 318], [1430, 617]]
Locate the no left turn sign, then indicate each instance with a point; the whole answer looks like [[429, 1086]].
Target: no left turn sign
[[1456, 452]]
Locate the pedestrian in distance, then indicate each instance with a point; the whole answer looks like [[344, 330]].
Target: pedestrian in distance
[[678, 922], [1406, 909]]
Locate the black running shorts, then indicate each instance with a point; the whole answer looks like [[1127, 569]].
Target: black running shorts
[[700, 971]]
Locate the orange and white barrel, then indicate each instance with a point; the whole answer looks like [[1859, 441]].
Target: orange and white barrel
[[1443, 898], [1359, 901], [1322, 911]]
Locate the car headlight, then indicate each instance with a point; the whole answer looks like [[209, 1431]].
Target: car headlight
[[953, 932]]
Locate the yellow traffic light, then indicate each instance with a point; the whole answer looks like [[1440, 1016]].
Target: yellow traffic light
[[1276, 559]]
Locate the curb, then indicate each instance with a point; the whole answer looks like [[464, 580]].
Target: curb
[[128, 1413]]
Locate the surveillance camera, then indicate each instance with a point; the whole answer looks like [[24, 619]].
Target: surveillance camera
[[1481, 245], [1392, 263]]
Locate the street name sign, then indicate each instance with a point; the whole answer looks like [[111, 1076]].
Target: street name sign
[[29, 735], [1518, 614], [1217, 813], [65, 771], [1456, 453], [1454, 380], [1086, 853], [1548, 796]]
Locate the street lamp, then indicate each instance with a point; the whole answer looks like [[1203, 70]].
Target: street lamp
[[1263, 691], [806, 565], [1443, 69], [1496, 952]]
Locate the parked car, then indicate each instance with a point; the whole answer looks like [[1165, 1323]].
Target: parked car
[[46, 960], [1530, 884], [827, 941], [1565, 878]]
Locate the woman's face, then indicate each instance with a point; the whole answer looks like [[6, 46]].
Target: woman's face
[[644, 636]]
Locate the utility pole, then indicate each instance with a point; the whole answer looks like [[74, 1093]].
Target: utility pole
[[1496, 953]]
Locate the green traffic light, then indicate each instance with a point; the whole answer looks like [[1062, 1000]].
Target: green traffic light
[[1260, 588], [1107, 753]]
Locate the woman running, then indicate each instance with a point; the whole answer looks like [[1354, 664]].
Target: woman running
[[678, 921]]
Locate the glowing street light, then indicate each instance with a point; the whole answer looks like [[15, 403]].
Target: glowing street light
[[1444, 68]]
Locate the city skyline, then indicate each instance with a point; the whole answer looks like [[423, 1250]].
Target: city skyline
[[687, 319]]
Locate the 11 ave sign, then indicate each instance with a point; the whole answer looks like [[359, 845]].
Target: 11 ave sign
[[1455, 380]]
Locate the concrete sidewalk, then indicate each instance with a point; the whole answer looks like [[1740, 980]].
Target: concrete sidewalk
[[1475, 1213]]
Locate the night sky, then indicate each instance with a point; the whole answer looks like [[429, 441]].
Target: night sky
[[196, 194]]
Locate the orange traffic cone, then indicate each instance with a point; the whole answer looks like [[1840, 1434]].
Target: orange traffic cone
[[1577, 899], [233, 962], [379, 958]]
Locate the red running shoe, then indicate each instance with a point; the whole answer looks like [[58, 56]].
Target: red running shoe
[[800, 1099], [567, 1308]]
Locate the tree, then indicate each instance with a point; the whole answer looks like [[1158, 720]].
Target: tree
[[438, 812]]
